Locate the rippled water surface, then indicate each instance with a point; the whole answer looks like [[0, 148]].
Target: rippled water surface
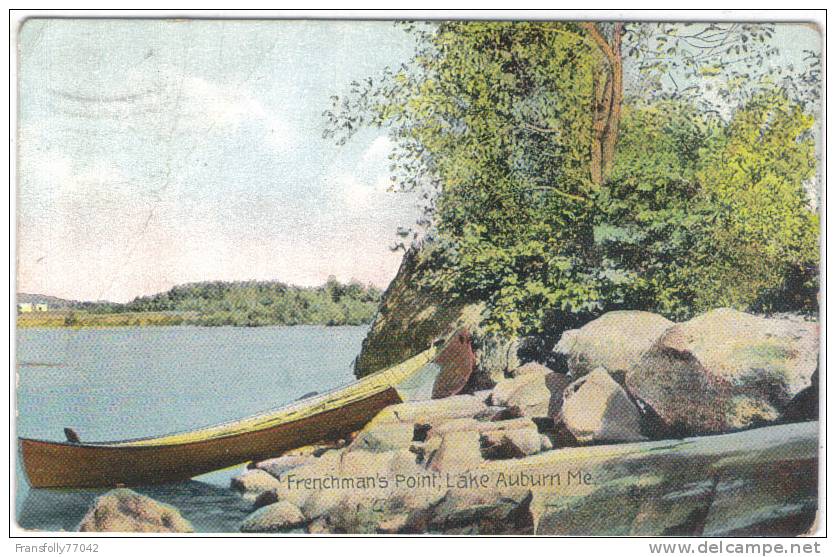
[[133, 382]]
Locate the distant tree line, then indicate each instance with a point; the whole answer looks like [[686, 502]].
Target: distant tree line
[[255, 303]]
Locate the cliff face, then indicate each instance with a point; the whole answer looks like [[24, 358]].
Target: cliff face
[[410, 318]]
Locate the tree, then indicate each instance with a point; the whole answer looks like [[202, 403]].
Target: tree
[[659, 50], [565, 167], [607, 97], [761, 246], [733, 53]]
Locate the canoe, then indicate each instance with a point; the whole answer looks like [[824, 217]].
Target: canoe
[[439, 371]]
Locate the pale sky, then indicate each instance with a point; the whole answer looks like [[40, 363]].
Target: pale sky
[[153, 153]]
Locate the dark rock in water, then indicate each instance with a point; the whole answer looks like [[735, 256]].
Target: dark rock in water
[[123, 510], [725, 370], [278, 517], [308, 395], [71, 435], [265, 498], [254, 482]]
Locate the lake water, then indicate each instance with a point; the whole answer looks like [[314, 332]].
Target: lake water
[[110, 384]]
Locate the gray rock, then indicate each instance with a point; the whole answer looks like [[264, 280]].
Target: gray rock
[[760, 482], [614, 341], [429, 412], [278, 466], [278, 517], [383, 437], [458, 450], [254, 482], [530, 367], [504, 391], [512, 443], [597, 409], [479, 511], [495, 355], [266, 498], [123, 510], [534, 393], [725, 370]]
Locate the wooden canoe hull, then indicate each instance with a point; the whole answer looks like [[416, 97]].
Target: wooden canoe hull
[[53, 464], [437, 372]]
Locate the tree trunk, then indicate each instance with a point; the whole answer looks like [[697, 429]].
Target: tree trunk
[[608, 93]]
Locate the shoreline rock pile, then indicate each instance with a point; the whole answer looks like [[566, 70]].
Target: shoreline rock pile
[[632, 425], [517, 457]]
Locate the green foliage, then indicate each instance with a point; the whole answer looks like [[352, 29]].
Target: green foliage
[[493, 120], [258, 303], [648, 212], [761, 248]]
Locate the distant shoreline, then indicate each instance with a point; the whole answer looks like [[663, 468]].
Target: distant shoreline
[[211, 304], [85, 320]]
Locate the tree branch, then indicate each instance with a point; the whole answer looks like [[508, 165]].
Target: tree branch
[[599, 39]]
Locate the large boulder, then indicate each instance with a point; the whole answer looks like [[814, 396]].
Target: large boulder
[[123, 510], [254, 482], [495, 356], [411, 316], [725, 370], [759, 482], [278, 517], [615, 341], [597, 409]]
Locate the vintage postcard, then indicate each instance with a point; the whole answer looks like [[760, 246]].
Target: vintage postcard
[[444, 277]]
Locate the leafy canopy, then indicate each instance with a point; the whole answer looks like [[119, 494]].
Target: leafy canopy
[[492, 123]]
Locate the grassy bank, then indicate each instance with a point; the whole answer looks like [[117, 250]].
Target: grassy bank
[[86, 320], [81, 319]]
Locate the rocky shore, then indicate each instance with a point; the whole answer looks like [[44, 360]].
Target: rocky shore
[[630, 425]]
